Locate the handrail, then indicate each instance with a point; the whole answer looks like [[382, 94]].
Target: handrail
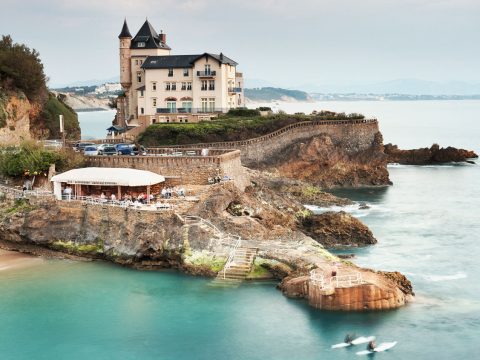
[[229, 262], [278, 132], [337, 281]]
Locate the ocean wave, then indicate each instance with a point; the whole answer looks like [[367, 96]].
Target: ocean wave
[[436, 278], [354, 209]]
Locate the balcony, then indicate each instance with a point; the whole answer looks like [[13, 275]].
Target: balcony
[[191, 110], [206, 73], [234, 90]]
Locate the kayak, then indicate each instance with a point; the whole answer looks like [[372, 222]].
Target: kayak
[[382, 347], [357, 341]]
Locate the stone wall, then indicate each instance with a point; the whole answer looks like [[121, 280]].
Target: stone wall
[[352, 135], [188, 169]]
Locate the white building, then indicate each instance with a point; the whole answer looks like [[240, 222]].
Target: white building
[[160, 87]]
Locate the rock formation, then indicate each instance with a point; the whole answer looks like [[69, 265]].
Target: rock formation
[[337, 230], [426, 156], [322, 162]]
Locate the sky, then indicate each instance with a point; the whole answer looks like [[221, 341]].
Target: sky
[[289, 43]]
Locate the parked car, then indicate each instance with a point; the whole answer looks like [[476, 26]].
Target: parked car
[[108, 150], [102, 146], [90, 151], [124, 149], [80, 146]]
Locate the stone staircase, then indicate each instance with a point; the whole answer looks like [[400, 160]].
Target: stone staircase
[[237, 267], [240, 260]]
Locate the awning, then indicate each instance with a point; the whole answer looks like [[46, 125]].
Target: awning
[[109, 177]]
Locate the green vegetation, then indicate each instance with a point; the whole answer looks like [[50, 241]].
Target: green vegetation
[[271, 93], [243, 112], [200, 259], [54, 107], [20, 205], [32, 159], [228, 128], [72, 247], [259, 271], [21, 69]]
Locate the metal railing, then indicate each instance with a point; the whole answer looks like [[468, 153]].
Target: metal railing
[[231, 256], [338, 281], [206, 110], [24, 193], [206, 73], [119, 203], [234, 90]]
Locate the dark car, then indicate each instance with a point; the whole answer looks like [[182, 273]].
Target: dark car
[[124, 149], [108, 150], [80, 146]]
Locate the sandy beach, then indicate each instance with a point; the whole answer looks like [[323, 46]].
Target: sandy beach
[[14, 260]]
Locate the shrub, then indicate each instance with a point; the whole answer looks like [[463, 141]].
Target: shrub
[[243, 112]]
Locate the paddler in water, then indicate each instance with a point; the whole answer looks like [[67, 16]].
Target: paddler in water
[[371, 346], [349, 338]]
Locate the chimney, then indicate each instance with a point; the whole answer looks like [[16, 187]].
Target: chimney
[[163, 37], [221, 56]]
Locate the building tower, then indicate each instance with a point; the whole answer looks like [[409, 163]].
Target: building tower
[[125, 74]]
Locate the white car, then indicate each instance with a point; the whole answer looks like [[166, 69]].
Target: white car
[[90, 151]]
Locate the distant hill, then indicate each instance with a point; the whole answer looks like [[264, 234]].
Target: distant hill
[[267, 94]]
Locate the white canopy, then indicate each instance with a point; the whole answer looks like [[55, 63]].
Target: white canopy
[[108, 176]]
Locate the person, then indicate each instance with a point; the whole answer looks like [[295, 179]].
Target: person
[[68, 192], [371, 346], [163, 193], [349, 338], [113, 197]]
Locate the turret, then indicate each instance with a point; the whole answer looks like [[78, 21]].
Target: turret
[[125, 57]]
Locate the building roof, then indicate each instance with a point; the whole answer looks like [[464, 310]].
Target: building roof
[[125, 33], [109, 176], [116, 128], [149, 36], [182, 61]]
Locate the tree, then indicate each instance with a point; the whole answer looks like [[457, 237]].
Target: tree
[[21, 69]]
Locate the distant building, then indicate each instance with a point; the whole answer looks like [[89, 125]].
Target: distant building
[[160, 87]]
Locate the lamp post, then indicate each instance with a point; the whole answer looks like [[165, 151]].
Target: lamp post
[[62, 129]]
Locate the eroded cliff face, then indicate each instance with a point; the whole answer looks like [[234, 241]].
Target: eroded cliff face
[[326, 163], [15, 114], [21, 119]]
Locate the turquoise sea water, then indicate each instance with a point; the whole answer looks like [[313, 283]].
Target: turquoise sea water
[[427, 225]]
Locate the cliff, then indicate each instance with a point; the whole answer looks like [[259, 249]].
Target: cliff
[[24, 119], [426, 156], [81, 103], [264, 219]]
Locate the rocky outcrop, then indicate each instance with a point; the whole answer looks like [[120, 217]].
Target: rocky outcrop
[[267, 221], [323, 162], [15, 114], [426, 156], [337, 230]]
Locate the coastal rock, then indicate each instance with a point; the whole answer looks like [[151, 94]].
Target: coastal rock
[[155, 240], [323, 162], [338, 229], [427, 156]]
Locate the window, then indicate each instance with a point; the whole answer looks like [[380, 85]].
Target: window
[[174, 86], [185, 72], [139, 76], [141, 44], [154, 102], [211, 84], [136, 62], [184, 86], [172, 106], [204, 104], [142, 111], [154, 86], [170, 72], [189, 86], [167, 86], [187, 105], [204, 85], [207, 69], [211, 104], [141, 93]]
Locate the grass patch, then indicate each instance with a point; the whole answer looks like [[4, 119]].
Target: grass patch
[[72, 247], [214, 263]]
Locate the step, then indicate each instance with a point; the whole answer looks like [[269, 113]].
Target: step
[[235, 272]]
